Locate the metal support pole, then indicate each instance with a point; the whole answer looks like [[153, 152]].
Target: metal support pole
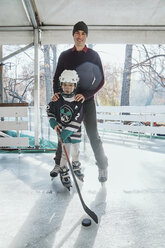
[[36, 88], [1, 76], [151, 125]]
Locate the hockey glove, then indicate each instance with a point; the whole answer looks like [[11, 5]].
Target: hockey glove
[[65, 134]]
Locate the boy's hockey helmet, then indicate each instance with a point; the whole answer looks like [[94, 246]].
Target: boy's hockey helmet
[[69, 76]]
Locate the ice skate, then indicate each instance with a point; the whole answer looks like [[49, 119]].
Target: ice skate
[[77, 170], [103, 175], [65, 178], [55, 171]]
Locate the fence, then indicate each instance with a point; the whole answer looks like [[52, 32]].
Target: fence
[[142, 120], [11, 119], [123, 119], [139, 119]]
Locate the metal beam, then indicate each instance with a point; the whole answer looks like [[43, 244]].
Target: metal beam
[[91, 27], [16, 52], [31, 12], [15, 28], [108, 27]]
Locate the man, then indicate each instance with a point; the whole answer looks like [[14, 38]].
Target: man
[[88, 65]]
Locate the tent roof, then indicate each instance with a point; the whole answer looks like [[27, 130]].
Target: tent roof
[[109, 21]]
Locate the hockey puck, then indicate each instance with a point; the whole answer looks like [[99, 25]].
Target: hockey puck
[[86, 222]]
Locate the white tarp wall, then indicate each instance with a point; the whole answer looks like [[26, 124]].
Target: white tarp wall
[[109, 21]]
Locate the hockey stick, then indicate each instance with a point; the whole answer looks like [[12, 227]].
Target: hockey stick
[[87, 210]]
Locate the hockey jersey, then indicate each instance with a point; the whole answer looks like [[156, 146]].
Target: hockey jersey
[[68, 115]]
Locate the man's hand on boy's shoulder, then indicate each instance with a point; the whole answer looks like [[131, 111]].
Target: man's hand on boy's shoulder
[[56, 97], [79, 97]]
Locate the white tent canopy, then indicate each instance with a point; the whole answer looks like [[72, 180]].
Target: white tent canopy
[[109, 21]]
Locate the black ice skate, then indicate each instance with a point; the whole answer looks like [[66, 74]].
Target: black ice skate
[[65, 178], [55, 171], [77, 170]]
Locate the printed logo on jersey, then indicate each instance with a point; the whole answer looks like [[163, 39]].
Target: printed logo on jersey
[[66, 114], [47, 108]]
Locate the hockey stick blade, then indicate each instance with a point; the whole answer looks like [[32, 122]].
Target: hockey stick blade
[[90, 213]]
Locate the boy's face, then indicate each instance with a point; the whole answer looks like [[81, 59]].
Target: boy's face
[[68, 88]]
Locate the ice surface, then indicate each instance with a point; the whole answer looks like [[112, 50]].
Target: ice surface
[[40, 213]]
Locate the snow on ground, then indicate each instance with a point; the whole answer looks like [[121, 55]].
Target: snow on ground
[[36, 212]]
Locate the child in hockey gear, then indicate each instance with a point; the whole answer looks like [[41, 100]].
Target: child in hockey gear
[[65, 116]]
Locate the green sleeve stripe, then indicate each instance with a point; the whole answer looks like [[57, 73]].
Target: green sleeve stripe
[[53, 123]]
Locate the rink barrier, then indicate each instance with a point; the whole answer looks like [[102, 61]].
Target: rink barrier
[[16, 112], [111, 119], [146, 119]]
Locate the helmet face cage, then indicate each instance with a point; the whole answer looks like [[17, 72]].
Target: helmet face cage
[[69, 76]]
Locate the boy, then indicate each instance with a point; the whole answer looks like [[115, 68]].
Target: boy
[[65, 116]]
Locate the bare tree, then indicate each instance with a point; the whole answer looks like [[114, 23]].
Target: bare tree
[[48, 74], [11, 90], [16, 86], [18, 76], [54, 51], [150, 63], [110, 93], [125, 93]]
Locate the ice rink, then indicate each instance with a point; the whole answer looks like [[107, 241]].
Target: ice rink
[[36, 212]]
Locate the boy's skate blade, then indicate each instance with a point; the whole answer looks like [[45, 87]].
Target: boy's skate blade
[[52, 177], [80, 178], [68, 187]]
